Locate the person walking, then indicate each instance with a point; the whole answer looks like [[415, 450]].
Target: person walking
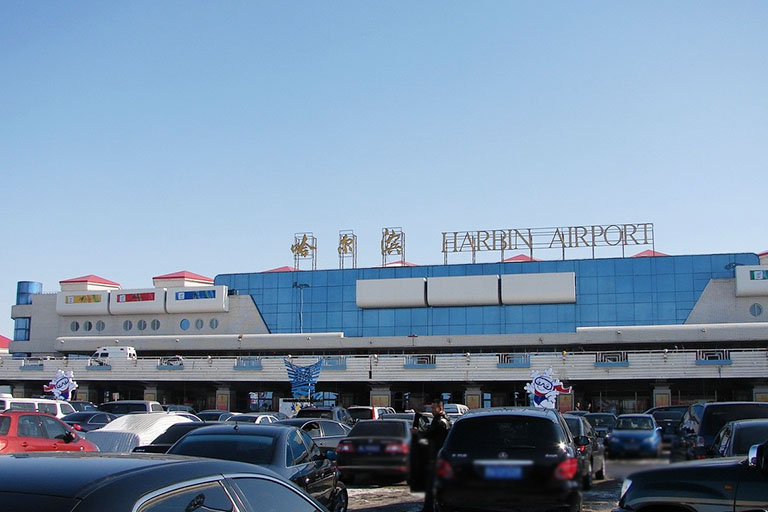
[[435, 435]]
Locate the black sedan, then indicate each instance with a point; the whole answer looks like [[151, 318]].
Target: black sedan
[[94, 482], [736, 437], [87, 421], [376, 449], [325, 433], [283, 449], [591, 453], [712, 485], [164, 441]]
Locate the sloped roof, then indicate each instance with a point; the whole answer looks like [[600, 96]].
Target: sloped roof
[[649, 254], [4, 342], [519, 259], [184, 274], [90, 278], [283, 269]]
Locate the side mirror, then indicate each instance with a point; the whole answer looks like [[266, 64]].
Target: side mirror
[[330, 455], [69, 437], [581, 440], [659, 429]]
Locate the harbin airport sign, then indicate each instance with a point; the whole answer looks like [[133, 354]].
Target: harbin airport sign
[[570, 237]]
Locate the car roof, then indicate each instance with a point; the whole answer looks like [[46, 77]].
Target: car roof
[[533, 412], [16, 412], [636, 415], [77, 474], [241, 428]]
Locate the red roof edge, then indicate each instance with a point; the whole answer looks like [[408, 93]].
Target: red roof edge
[[519, 258], [5, 342], [283, 269], [649, 254], [90, 278], [401, 263], [184, 274]]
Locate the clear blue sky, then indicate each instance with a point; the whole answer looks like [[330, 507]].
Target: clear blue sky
[[141, 138]]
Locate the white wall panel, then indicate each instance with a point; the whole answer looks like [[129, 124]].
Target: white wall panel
[[752, 281], [135, 302], [463, 291], [548, 288], [92, 302], [198, 299], [391, 293]]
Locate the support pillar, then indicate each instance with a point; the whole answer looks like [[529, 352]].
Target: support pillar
[[150, 392], [22, 390], [473, 397], [223, 399], [381, 396], [662, 395], [760, 393]]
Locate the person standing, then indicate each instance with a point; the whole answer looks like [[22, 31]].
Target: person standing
[[435, 435]]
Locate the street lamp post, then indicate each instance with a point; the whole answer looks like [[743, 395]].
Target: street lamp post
[[301, 287]]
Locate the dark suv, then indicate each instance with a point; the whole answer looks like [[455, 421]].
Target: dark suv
[[493, 458], [335, 413], [702, 421]]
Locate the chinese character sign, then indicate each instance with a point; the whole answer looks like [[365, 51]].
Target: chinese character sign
[[545, 388], [391, 242], [62, 385], [302, 247]]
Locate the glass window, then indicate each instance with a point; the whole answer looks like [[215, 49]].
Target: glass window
[[184, 324], [127, 325], [100, 326], [254, 449], [141, 325], [271, 496], [297, 452], [54, 429], [214, 323], [87, 325], [47, 408], [74, 326], [209, 496], [155, 324], [21, 329], [314, 451], [5, 425], [199, 323], [379, 428], [333, 429], [485, 437], [29, 426]]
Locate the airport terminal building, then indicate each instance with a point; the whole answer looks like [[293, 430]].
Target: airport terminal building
[[625, 333]]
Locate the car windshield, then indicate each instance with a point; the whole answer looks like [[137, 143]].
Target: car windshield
[[255, 449], [748, 436], [209, 416], [716, 416], [118, 408], [174, 433], [486, 437], [363, 413], [668, 415], [379, 428], [5, 424], [601, 420], [78, 416], [634, 423]]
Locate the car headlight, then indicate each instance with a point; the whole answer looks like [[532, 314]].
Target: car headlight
[[625, 487]]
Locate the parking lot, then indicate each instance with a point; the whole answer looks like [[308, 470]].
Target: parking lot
[[397, 498]]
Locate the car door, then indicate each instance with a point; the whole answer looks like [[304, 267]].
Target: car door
[[333, 432], [299, 464], [57, 434], [598, 450], [269, 495], [322, 474], [32, 437]]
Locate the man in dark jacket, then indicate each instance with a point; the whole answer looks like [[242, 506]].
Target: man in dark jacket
[[435, 434]]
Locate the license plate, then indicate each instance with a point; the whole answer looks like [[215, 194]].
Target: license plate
[[369, 448], [505, 472]]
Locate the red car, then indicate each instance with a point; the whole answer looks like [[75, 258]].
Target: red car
[[22, 431]]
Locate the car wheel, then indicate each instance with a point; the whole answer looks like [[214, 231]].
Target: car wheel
[[586, 482], [340, 499], [600, 475]]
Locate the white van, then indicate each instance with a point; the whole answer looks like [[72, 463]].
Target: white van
[[103, 355], [58, 408]]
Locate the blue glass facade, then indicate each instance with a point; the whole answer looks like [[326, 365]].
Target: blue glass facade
[[616, 291], [26, 289]]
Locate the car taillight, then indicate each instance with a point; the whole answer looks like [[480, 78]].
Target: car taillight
[[443, 469], [76, 427], [567, 469], [397, 448], [582, 449], [345, 447]]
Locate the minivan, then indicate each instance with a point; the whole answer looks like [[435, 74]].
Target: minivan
[[103, 355], [58, 408]]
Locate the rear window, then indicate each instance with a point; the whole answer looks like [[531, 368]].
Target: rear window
[[668, 415], [119, 408], [486, 437], [174, 433], [315, 413], [748, 436], [209, 416], [634, 423], [5, 424], [379, 428], [361, 414], [22, 406], [715, 417], [66, 409], [254, 449], [601, 420]]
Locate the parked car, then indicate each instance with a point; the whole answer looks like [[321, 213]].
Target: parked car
[[592, 454], [496, 457], [577, 412], [120, 407], [164, 441], [85, 482], [454, 411], [146, 427], [179, 407], [602, 422], [634, 434], [325, 433], [711, 485], [22, 431], [83, 405], [87, 421], [58, 408], [175, 360], [702, 421], [214, 415], [283, 449], [424, 418], [668, 418], [377, 450], [368, 412], [335, 413], [736, 437], [253, 417]]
